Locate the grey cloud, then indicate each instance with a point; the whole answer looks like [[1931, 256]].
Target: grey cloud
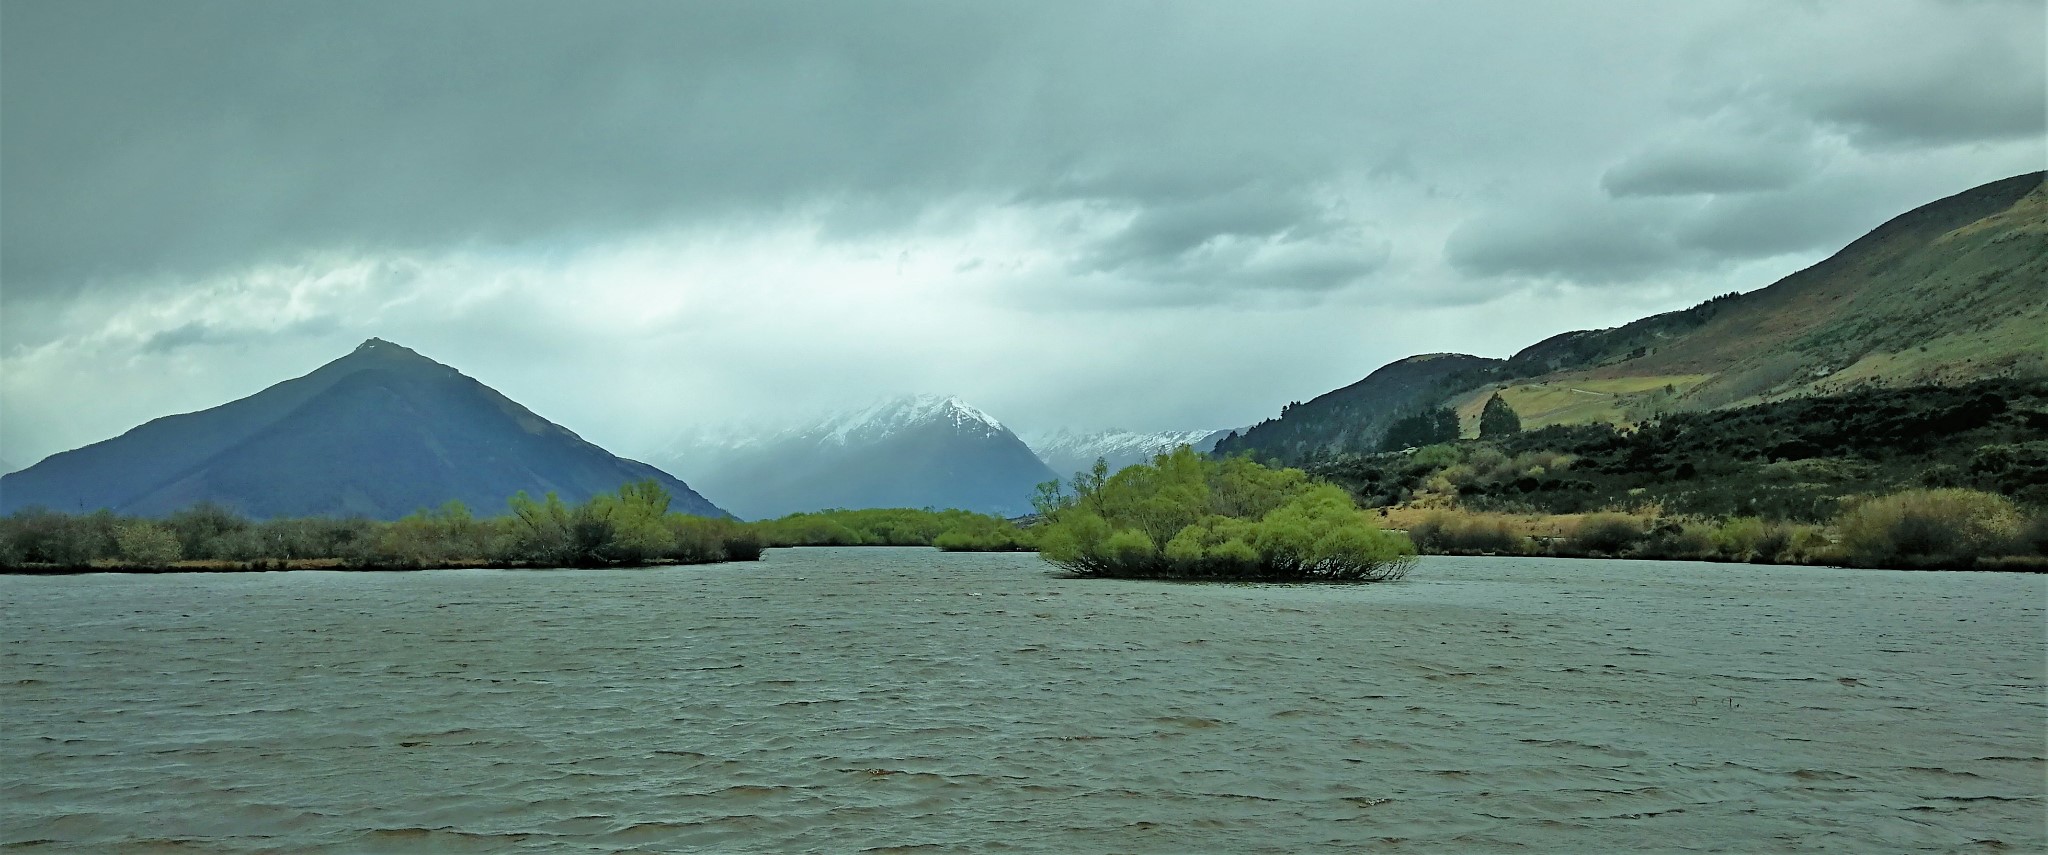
[[1893, 75], [1161, 232], [1835, 209], [1960, 106], [1240, 171], [1578, 241], [1712, 160], [1624, 241], [182, 336], [147, 136], [205, 334], [181, 138]]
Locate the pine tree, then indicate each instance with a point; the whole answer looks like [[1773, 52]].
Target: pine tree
[[1498, 419]]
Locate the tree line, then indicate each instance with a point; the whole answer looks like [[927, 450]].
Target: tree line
[[631, 527]]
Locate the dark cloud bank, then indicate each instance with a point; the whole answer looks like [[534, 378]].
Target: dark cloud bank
[[1336, 160]]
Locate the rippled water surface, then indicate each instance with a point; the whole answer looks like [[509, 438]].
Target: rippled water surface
[[908, 700]]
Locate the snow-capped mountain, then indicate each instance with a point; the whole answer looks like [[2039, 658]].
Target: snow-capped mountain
[[913, 451], [1068, 452]]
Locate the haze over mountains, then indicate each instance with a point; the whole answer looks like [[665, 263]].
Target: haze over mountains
[[912, 451], [1953, 291], [380, 433], [1068, 452]]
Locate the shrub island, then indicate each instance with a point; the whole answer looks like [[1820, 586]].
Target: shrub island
[[1188, 516]]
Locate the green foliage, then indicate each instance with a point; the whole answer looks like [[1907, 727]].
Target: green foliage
[[961, 531], [628, 528], [438, 537], [1605, 534], [1185, 516], [147, 544], [1424, 428], [1498, 419], [1466, 534], [1677, 539], [207, 531], [984, 534], [1930, 528]]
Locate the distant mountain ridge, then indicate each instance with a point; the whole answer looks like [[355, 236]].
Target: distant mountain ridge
[[380, 433], [1068, 452], [1948, 293], [912, 451], [1354, 419]]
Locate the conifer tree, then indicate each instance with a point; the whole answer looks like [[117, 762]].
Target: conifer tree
[[1498, 419]]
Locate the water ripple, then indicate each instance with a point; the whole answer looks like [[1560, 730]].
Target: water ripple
[[910, 701]]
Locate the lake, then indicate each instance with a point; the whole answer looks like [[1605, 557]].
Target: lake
[[906, 700]]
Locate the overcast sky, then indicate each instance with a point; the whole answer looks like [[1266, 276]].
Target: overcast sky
[[638, 217]]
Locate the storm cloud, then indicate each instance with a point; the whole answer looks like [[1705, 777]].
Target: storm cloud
[[1063, 211]]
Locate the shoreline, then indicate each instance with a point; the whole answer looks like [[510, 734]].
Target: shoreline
[[327, 564], [2021, 566]]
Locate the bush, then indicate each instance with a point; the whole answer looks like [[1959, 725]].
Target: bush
[[630, 527], [207, 531], [147, 544], [984, 534], [2033, 536], [1185, 516], [1605, 534], [1678, 541], [1466, 533], [892, 527], [1742, 538], [1929, 528]]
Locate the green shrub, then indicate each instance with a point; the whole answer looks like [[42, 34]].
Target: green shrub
[[1928, 528], [891, 527], [2033, 536], [1184, 516], [984, 534], [629, 527], [147, 544], [1605, 534], [1743, 539], [1678, 541], [1466, 533]]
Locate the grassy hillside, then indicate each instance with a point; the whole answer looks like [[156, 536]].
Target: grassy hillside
[[1353, 419], [1949, 293]]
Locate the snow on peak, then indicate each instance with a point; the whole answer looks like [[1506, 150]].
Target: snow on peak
[[871, 423], [1069, 451], [884, 418]]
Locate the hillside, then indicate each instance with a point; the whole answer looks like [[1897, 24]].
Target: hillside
[[379, 433], [923, 451], [1948, 293], [1355, 418], [1796, 459]]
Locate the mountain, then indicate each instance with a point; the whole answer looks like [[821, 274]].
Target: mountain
[[1067, 452], [380, 432], [915, 451], [1946, 294], [1355, 418]]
